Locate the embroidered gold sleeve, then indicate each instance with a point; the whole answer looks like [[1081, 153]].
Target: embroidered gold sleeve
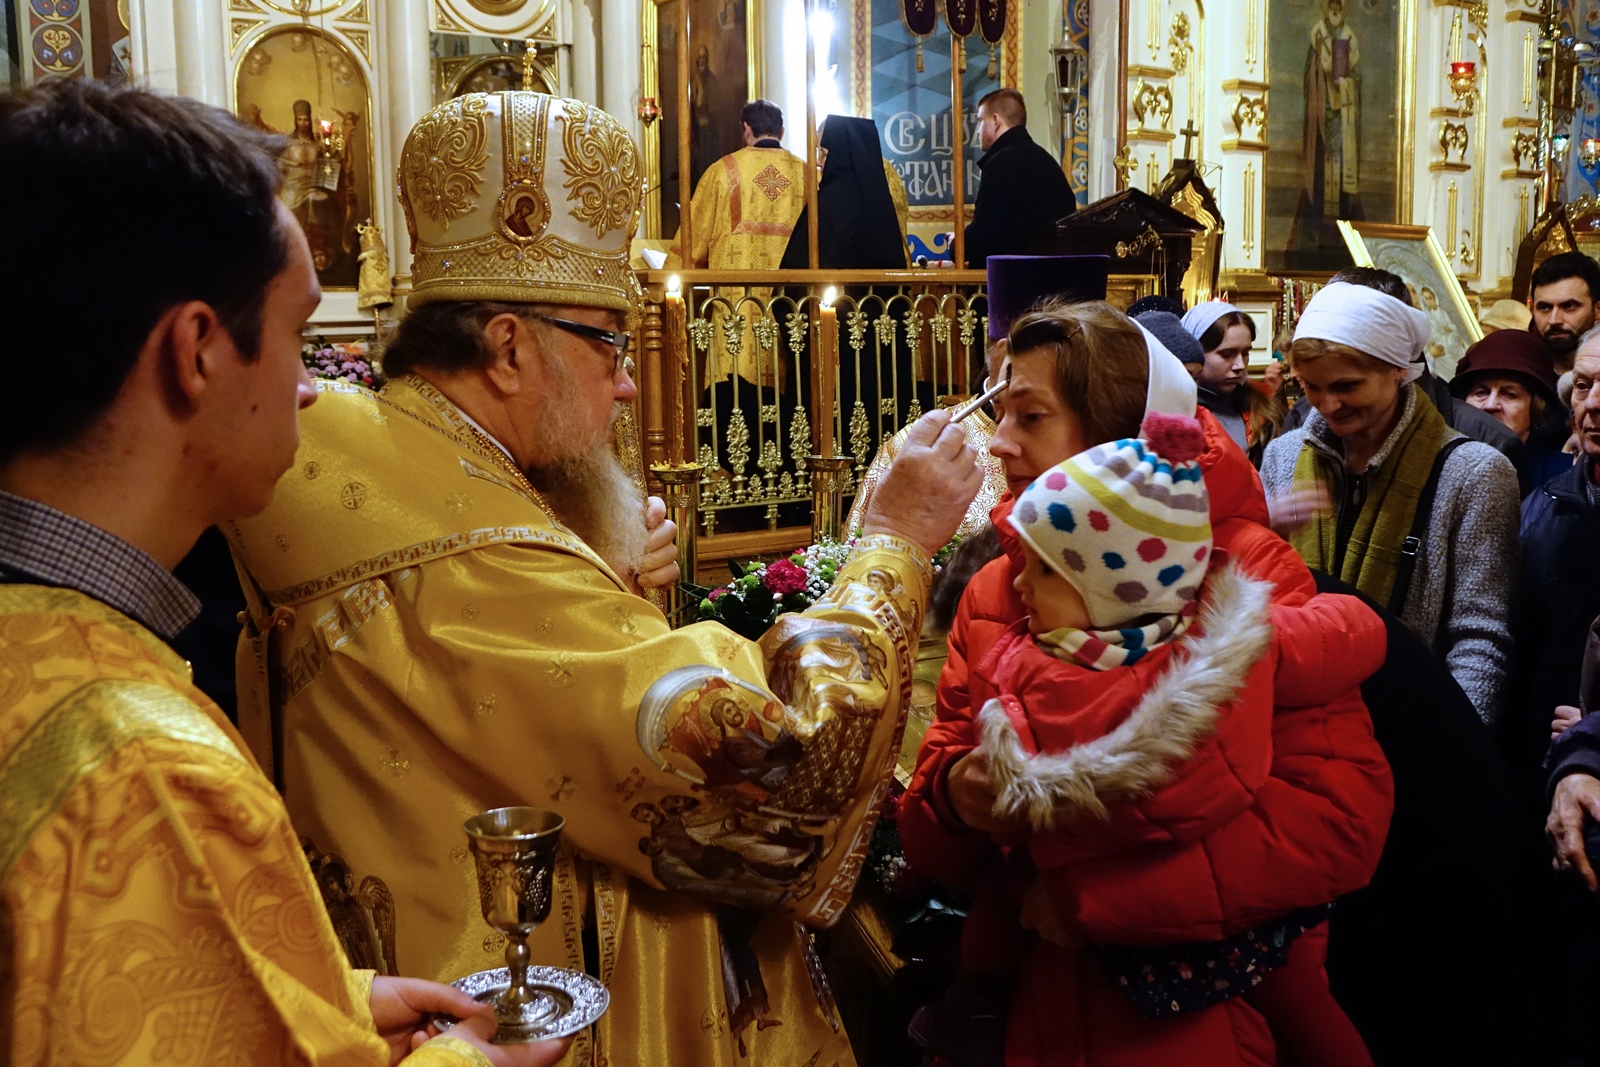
[[700, 761]]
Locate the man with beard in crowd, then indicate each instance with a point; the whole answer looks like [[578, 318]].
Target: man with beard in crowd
[[1565, 289], [445, 600]]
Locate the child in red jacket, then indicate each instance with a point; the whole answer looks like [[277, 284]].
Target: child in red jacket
[[1131, 725]]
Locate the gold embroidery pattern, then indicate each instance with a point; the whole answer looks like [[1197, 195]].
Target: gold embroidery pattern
[[622, 619], [560, 670], [602, 168], [44, 600], [423, 551], [485, 705], [333, 630], [353, 495], [397, 763], [445, 156], [78, 736], [771, 182], [459, 503], [524, 119]]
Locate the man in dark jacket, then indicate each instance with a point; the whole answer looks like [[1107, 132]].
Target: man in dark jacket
[[1022, 191], [1560, 579]]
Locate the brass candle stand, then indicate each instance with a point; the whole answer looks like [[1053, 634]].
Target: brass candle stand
[[827, 489], [680, 491]]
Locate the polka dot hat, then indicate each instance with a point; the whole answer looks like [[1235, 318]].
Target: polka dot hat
[[1127, 523]]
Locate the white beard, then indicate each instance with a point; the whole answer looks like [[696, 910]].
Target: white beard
[[600, 502]]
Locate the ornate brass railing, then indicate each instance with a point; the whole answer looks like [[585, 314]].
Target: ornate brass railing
[[750, 375], [746, 375]]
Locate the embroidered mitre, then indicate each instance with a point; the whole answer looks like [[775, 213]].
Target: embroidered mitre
[[521, 197]]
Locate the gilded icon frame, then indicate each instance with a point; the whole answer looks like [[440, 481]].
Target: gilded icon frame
[[1413, 252]]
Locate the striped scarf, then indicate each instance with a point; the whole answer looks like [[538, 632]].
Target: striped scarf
[[1398, 474], [1102, 650]]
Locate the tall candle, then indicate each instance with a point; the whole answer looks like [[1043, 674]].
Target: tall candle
[[677, 326], [826, 371]]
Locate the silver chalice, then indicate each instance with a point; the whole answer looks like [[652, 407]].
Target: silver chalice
[[515, 853]]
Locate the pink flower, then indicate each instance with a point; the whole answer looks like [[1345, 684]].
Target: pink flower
[[784, 577], [716, 594]]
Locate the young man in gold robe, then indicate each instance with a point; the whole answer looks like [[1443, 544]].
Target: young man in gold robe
[[157, 907], [446, 621]]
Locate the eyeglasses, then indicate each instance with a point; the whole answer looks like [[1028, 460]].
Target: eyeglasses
[[617, 342]]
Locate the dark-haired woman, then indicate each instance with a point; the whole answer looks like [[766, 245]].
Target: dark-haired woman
[[1225, 334]]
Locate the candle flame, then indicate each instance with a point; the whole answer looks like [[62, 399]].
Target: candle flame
[[829, 295], [674, 286]]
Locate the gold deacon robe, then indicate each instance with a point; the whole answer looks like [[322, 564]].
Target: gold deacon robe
[[435, 643], [158, 906], [744, 209]]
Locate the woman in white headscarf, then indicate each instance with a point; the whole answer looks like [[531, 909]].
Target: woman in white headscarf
[[1351, 488], [1252, 417]]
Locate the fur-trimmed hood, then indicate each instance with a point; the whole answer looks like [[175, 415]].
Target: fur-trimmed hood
[[1204, 673]]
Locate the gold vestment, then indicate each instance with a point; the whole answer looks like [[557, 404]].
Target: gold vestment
[[979, 430], [744, 209], [435, 644], [158, 906]]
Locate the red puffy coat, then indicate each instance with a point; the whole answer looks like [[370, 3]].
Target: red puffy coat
[[1278, 808]]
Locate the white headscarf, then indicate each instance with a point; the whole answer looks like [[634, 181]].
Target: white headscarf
[[1368, 321], [1171, 388], [1198, 319]]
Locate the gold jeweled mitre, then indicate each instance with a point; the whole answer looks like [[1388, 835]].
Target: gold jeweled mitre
[[521, 197]]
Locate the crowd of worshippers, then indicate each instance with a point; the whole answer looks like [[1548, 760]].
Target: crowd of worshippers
[[1266, 732]]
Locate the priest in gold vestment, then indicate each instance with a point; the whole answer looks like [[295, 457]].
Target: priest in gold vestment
[[446, 620], [155, 904], [743, 211]]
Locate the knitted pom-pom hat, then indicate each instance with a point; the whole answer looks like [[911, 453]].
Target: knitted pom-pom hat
[[1127, 523]]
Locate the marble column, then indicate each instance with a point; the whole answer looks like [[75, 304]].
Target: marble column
[[155, 61], [406, 79], [583, 83], [620, 61], [201, 49]]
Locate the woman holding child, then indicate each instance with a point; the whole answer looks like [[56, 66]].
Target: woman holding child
[[1151, 762]]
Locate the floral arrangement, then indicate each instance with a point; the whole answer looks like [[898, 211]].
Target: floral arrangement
[[760, 592], [345, 361]]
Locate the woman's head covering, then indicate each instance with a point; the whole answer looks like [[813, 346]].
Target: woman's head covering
[[1199, 318], [1508, 352], [1171, 389], [1367, 321], [1170, 331], [1016, 283], [857, 228]]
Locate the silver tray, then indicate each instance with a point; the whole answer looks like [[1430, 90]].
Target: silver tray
[[565, 1002]]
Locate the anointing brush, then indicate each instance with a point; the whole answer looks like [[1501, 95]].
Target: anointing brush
[[982, 398]]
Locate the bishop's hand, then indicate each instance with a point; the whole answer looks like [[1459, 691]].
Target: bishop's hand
[[924, 494], [658, 567]]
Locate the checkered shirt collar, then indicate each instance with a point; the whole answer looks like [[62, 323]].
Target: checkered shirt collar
[[38, 542]]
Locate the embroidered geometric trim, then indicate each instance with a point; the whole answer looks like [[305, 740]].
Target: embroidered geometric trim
[[77, 736]]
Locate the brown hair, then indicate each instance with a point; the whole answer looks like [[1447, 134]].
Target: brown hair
[[1008, 104], [1213, 335], [447, 335], [1101, 363], [1310, 349]]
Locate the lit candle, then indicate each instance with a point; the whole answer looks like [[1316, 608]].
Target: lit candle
[[677, 326], [826, 370], [1462, 67]]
